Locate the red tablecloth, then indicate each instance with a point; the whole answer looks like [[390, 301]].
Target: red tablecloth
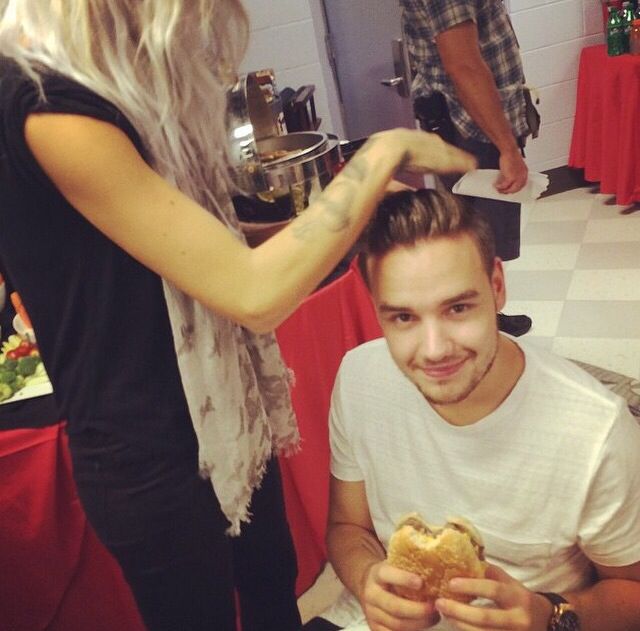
[[313, 340], [55, 575], [606, 130]]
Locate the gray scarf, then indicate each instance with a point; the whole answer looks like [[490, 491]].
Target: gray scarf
[[237, 390]]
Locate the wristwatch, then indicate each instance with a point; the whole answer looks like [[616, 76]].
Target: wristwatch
[[564, 616]]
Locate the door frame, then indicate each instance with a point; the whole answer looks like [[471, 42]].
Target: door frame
[[327, 64]]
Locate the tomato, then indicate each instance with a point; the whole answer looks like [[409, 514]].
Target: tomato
[[13, 354], [24, 349]]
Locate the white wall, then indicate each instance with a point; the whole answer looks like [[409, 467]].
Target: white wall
[[283, 38], [552, 33]]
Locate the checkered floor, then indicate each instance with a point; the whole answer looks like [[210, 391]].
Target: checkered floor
[[578, 277]]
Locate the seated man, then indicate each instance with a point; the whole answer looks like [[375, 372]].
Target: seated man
[[447, 416]]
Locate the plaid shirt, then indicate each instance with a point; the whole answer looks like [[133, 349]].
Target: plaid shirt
[[423, 20]]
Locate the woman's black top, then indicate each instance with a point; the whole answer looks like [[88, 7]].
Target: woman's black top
[[100, 316]]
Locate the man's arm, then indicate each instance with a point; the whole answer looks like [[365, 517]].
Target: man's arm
[[613, 603], [476, 89], [359, 561]]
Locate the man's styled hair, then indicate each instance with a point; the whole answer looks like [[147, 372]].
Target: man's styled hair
[[408, 217]]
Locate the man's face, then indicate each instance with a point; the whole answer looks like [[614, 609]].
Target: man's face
[[437, 308]]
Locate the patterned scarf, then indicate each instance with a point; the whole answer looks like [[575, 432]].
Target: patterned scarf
[[237, 390]]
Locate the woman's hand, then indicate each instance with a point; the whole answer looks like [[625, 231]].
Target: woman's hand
[[515, 608], [386, 611]]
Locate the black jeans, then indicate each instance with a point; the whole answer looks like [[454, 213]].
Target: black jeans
[[503, 217], [164, 525]]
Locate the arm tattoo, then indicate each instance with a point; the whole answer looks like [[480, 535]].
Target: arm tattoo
[[335, 204]]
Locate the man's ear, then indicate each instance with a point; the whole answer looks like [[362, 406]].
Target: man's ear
[[498, 284]]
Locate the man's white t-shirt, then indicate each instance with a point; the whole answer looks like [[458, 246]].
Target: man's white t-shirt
[[551, 478]]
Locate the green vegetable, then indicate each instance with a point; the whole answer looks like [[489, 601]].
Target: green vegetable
[[9, 364], [27, 365], [5, 392], [7, 376], [17, 384]]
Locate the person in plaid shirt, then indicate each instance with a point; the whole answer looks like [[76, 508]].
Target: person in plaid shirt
[[466, 51]]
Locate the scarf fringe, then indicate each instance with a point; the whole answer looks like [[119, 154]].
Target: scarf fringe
[[244, 513]]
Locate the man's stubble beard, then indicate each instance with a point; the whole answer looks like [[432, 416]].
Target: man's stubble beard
[[475, 382]]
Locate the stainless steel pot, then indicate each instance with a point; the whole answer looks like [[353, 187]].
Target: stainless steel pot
[[271, 166]]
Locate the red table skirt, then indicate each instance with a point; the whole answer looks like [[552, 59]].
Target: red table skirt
[[606, 130], [313, 341], [56, 575]]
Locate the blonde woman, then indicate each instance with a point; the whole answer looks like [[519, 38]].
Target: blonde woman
[[153, 316]]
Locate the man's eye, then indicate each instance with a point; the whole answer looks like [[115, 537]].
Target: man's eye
[[460, 308], [402, 317]]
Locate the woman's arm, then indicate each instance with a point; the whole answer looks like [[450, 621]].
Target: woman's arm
[[99, 171]]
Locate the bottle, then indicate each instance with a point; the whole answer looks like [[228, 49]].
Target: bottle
[[634, 38], [615, 34], [626, 15]]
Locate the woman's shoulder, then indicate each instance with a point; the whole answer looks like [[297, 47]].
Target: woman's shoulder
[[44, 90]]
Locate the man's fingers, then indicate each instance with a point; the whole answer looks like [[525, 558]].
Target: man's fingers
[[435, 155], [496, 573], [395, 576], [387, 619], [474, 616], [509, 185]]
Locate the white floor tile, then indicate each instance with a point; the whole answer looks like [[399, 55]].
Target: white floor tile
[[548, 232], [544, 313], [561, 210], [526, 210], [609, 319], [622, 228], [547, 257], [619, 284], [621, 355], [541, 342], [320, 595]]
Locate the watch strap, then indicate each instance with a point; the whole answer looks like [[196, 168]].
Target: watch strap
[[563, 617], [554, 599]]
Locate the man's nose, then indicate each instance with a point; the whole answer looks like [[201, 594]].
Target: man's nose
[[435, 343]]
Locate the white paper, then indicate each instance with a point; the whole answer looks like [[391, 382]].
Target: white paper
[[480, 183]]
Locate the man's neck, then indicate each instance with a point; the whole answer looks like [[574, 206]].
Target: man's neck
[[490, 393]]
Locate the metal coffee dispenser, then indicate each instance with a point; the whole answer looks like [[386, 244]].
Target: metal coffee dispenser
[[278, 175]]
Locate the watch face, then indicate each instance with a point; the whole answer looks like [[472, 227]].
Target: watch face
[[568, 619]]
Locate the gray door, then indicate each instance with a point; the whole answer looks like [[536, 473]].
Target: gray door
[[360, 35]]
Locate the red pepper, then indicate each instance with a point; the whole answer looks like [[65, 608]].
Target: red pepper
[[12, 354], [22, 350]]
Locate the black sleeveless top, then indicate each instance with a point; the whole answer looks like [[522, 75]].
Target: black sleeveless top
[[100, 316]]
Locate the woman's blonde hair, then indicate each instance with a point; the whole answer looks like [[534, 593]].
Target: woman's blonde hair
[[166, 64]]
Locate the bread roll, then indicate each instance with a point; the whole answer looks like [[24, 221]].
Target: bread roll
[[436, 554]]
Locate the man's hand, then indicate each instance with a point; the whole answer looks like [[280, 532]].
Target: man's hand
[[514, 608], [385, 611], [513, 172]]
